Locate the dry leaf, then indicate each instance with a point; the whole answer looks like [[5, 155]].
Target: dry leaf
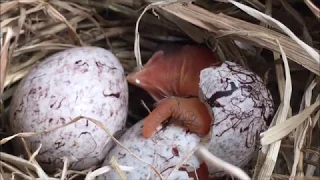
[[282, 129], [273, 150], [4, 59], [222, 25], [275, 23]]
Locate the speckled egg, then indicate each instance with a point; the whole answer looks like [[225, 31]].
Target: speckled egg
[[241, 105], [81, 81], [167, 148]]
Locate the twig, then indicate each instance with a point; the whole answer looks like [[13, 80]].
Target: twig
[[184, 160], [216, 162], [281, 130], [315, 10], [105, 169], [98, 123], [221, 24], [15, 170], [277, 24], [137, 36], [273, 151], [4, 58], [280, 176], [65, 168], [16, 160]]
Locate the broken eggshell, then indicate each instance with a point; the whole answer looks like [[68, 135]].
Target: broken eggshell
[[166, 149], [241, 106], [80, 81], [239, 100]]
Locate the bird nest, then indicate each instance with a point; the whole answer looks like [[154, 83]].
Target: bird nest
[[279, 40]]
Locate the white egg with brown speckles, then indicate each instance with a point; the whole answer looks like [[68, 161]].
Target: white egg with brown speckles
[[241, 105], [81, 81], [166, 149]]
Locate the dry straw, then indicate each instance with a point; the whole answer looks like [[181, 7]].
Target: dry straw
[[34, 29]]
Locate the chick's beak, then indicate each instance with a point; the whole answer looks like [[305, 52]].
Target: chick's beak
[[173, 74], [149, 77]]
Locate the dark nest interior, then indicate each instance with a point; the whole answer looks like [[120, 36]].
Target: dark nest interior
[[32, 30]]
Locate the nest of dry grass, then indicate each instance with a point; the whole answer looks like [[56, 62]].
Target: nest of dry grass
[[279, 41]]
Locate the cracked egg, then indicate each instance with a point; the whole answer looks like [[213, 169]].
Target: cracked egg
[[81, 81], [242, 107], [238, 100], [166, 149]]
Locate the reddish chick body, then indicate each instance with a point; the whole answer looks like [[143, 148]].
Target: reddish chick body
[[173, 74], [176, 74]]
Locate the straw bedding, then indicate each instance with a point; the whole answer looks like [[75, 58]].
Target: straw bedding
[[279, 40]]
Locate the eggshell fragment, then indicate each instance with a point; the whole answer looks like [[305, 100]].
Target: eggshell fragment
[[87, 81], [241, 104], [164, 150]]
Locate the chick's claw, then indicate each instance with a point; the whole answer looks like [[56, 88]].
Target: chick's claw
[[189, 113]]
